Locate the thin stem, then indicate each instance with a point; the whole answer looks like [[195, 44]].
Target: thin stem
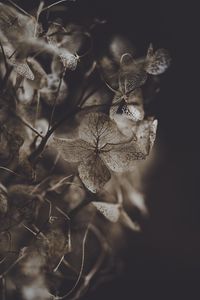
[[19, 8], [27, 124], [81, 268], [56, 3], [56, 98], [10, 171]]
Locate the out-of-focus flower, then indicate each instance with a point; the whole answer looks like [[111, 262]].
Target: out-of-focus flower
[[157, 62], [102, 147], [50, 93], [15, 25]]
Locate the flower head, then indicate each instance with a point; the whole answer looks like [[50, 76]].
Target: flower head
[[102, 148]]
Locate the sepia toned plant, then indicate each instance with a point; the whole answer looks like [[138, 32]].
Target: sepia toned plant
[[75, 141]]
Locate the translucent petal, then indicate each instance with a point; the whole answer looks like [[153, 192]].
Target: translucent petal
[[121, 158], [158, 62], [99, 129], [109, 210], [72, 150], [93, 173], [145, 131], [132, 77]]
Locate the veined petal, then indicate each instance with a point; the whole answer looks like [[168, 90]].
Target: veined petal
[[99, 128], [93, 173], [121, 158], [72, 150]]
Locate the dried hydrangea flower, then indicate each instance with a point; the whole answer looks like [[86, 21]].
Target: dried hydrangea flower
[[68, 59], [102, 147]]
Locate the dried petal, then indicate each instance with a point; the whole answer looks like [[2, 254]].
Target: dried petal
[[109, 210], [122, 157], [93, 173], [131, 76], [145, 132], [20, 66], [72, 150], [133, 112], [158, 62], [98, 128]]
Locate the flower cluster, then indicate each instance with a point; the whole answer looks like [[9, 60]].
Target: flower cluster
[[74, 135]]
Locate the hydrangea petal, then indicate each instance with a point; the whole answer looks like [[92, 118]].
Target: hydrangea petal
[[110, 211], [98, 128], [121, 158], [72, 150], [158, 62], [93, 173], [145, 132]]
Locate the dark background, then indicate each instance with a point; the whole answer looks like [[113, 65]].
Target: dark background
[[163, 262]]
